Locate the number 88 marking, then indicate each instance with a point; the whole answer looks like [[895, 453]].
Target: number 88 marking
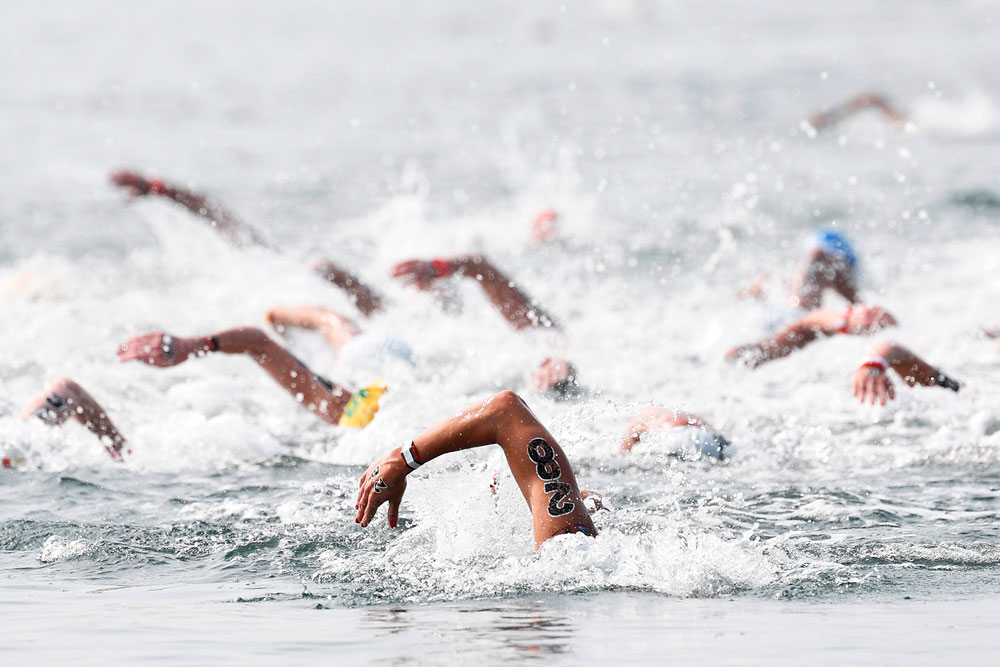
[[543, 456]]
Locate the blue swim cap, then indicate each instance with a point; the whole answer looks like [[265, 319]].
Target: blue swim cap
[[834, 243]]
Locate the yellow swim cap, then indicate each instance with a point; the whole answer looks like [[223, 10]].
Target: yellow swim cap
[[362, 406]]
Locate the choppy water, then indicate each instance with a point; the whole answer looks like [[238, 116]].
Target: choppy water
[[668, 138]]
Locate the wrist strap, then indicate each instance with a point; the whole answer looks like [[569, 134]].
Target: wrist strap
[[875, 361], [156, 186], [213, 343], [411, 456], [442, 268], [847, 320]]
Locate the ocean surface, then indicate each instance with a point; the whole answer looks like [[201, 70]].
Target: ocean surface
[[669, 138]]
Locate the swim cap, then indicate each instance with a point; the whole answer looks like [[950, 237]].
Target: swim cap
[[362, 406], [834, 243]]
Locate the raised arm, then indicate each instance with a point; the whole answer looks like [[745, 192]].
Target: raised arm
[[65, 399], [366, 299], [856, 320], [538, 463], [326, 399], [218, 217], [839, 113], [519, 309], [871, 381], [656, 417], [333, 326]]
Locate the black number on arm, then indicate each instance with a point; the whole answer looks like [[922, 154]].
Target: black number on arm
[[543, 456], [562, 490]]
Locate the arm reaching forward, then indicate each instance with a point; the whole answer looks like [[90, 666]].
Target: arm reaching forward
[[871, 381], [538, 463], [837, 114], [518, 309], [321, 396], [363, 296], [856, 320], [222, 220], [65, 399]]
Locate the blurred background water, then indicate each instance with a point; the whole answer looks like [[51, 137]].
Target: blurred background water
[[668, 137]]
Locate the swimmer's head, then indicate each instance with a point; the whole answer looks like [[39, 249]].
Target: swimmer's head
[[557, 378], [835, 244], [867, 319]]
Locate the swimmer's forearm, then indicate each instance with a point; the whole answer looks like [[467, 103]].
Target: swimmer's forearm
[[911, 368], [364, 297], [516, 307], [96, 420], [494, 421], [65, 399]]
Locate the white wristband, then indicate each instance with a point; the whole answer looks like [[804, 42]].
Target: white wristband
[[410, 458]]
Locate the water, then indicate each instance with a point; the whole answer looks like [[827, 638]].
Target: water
[[668, 138]]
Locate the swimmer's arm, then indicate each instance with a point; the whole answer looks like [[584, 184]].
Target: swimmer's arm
[[222, 220], [911, 368], [515, 306], [503, 419], [364, 297], [65, 399], [162, 349], [795, 336], [871, 383], [868, 100], [334, 327], [657, 417]]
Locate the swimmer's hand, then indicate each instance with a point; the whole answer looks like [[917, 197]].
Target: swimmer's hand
[[422, 273], [384, 481], [160, 349], [754, 290], [871, 383], [135, 184], [749, 355]]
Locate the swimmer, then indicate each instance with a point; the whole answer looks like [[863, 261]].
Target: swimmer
[[705, 438], [520, 311], [65, 399], [241, 234], [831, 117], [860, 320], [538, 463], [871, 380], [829, 264], [329, 401]]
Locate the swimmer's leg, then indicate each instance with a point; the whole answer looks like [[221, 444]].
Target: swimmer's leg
[[65, 399], [335, 328]]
